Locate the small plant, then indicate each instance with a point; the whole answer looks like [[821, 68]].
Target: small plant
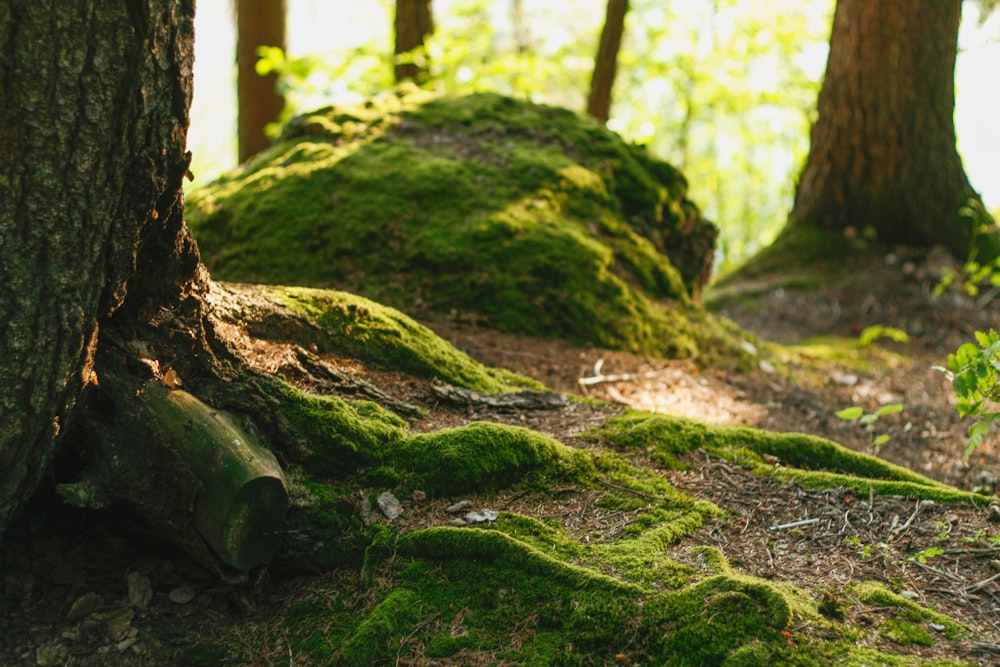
[[871, 334], [868, 419], [864, 550], [943, 529], [922, 556], [975, 376]]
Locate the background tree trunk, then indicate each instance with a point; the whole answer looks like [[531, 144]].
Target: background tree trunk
[[258, 23], [883, 147], [93, 145], [606, 64], [414, 22]]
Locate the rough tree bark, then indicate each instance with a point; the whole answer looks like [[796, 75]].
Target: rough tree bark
[[105, 300], [93, 119], [414, 22], [883, 149], [606, 63], [258, 23]]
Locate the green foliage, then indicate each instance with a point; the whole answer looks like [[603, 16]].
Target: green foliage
[[857, 413], [700, 82], [975, 377]]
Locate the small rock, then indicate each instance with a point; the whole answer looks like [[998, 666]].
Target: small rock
[[936, 627], [909, 595], [84, 606], [460, 506], [367, 515], [481, 516], [140, 591], [419, 496], [53, 653], [995, 564], [994, 512], [389, 505], [458, 522], [844, 379], [182, 594], [118, 624], [767, 367]]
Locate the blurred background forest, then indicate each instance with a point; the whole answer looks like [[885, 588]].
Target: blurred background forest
[[723, 89]]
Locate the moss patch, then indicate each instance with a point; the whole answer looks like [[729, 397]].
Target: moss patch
[[478, 457], [910, 625], [809, 460], [534, 217]]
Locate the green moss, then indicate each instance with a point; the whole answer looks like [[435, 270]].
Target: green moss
[[479, 456], [536, 218], [375, 639], [801, 255], [904, 628], [335, 435], [822, 463], [373, 332]]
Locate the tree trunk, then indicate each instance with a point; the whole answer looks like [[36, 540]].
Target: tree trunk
[[883, 150], [414, 22], [258, 23], [599, 101], [104, 308], [90, 189]]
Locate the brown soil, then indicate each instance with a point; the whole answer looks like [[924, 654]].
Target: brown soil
[[90, 589]]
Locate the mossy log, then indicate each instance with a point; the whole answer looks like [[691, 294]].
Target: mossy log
[[199, 478]]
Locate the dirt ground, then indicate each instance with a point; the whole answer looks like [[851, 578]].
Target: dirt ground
[[91, 589]]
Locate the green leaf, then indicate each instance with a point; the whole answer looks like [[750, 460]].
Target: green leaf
[[889, 409], [881, 440], [850, 414]]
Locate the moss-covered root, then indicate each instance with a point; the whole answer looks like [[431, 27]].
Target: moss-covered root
[[714, 622], [481, 456], [811, 461], [382, 335]]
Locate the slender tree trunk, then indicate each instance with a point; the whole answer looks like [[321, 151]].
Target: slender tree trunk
[[883, 150], [606, 64], [414, 22], [259, 23], [93, 146]]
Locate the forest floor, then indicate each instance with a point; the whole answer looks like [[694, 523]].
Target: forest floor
[[81, 590]]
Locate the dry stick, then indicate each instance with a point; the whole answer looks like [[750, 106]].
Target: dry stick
[[794, 524], [621, 377], [414, 631], [897, 532], [981, 584]]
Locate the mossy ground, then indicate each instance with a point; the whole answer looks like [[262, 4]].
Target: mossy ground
[[525, 589], [527, 592], [535, 218]]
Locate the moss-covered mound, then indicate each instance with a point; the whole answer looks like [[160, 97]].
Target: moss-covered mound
[[537, 218]]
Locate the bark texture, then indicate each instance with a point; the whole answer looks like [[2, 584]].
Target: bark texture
[[259, 23], [93, 119], [414, 22], [883, 149], [606, 63]]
